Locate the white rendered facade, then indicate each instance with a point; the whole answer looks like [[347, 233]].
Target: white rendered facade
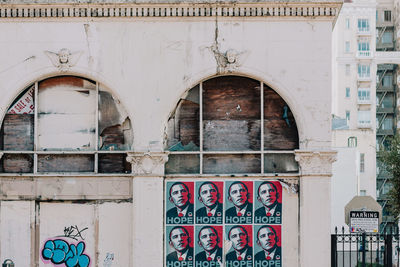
[[354, 76], [148, 62]]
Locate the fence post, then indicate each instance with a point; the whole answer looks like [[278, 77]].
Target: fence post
[[333, 250], [388, 250], [363, 251]]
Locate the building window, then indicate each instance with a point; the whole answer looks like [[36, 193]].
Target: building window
[[347, 69], [347, 117], [65, 124], [364, 118], [363, 193], [387, 80], [347, 23], [387, 123], [363, 25], [387, 15], [363, 48], [387, 101], [347, 92], [363, 71], [387, 37], [364, 94], [352, 141], [231, 125], [362, 162], [347, 47]]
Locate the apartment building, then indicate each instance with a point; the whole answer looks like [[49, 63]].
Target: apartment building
[[354, 101]]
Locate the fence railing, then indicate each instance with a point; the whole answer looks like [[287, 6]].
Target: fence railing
[[365, 249]]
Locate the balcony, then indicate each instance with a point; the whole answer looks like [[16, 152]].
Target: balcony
[[383, 46], [363, 101], [364, 54], [364, 78], [364, 124], [384, 67], [390, 57], [365, 31], [385, 110], [385, 132], [386, 88]]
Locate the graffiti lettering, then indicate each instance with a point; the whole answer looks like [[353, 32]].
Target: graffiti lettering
[[59, 251], [74, 232], [108, 260]]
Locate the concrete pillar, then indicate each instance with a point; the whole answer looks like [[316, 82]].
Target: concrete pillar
[[315, 206], [148, 210]]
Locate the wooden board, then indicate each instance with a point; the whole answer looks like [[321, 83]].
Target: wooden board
[[20, 163], [239, 135], [231, 98], [17, 132], [182, 164], [113, 163], [280, 130], [231, 164], [66, 163]]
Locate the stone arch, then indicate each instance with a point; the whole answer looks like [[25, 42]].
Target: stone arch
[[223, 113], [66, 113]]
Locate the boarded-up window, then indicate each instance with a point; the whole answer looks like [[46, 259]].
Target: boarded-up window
[[231, 125], [65, 124]]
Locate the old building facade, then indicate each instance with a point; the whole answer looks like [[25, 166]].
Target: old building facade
[[106, 106]]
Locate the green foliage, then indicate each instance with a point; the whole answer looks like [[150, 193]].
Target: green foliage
[[391, 159]]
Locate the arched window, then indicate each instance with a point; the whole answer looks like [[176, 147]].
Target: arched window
[[65, 124], [231, 125]]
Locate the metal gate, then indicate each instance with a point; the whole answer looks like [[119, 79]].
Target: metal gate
[[365, 249]]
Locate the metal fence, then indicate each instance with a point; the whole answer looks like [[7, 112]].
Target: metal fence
[[365, 249]]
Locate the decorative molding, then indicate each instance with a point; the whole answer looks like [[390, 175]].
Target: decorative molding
[[315, 163], [64, 59], [94, 10], [229, 61], [291, 185], [147, 163]]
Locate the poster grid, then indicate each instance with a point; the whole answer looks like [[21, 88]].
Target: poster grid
[[223, 223]]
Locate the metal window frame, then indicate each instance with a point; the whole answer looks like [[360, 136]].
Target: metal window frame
[[36, 152], [262, 152]]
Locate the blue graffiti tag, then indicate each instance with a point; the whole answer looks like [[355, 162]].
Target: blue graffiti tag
[[60, 252]]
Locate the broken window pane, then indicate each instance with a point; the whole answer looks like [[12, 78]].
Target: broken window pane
[[182, 164], [231, 164], [183, 126], [16, 163], [66, 114], [115, 130], [66, 163], [17, 132], [231, 114], [280, 130], [17, 129], [113, 163], [280, 163]]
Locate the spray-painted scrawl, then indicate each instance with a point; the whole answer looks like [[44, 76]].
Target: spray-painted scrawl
[[59, 252]]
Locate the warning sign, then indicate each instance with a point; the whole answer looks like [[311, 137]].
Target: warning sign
[[364, 221]]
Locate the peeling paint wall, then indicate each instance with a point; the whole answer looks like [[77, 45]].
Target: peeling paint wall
[[49, 232], [147, 65]]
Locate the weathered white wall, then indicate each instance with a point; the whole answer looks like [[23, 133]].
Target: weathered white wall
[[345, 184], [15, 231], [149, 63]]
